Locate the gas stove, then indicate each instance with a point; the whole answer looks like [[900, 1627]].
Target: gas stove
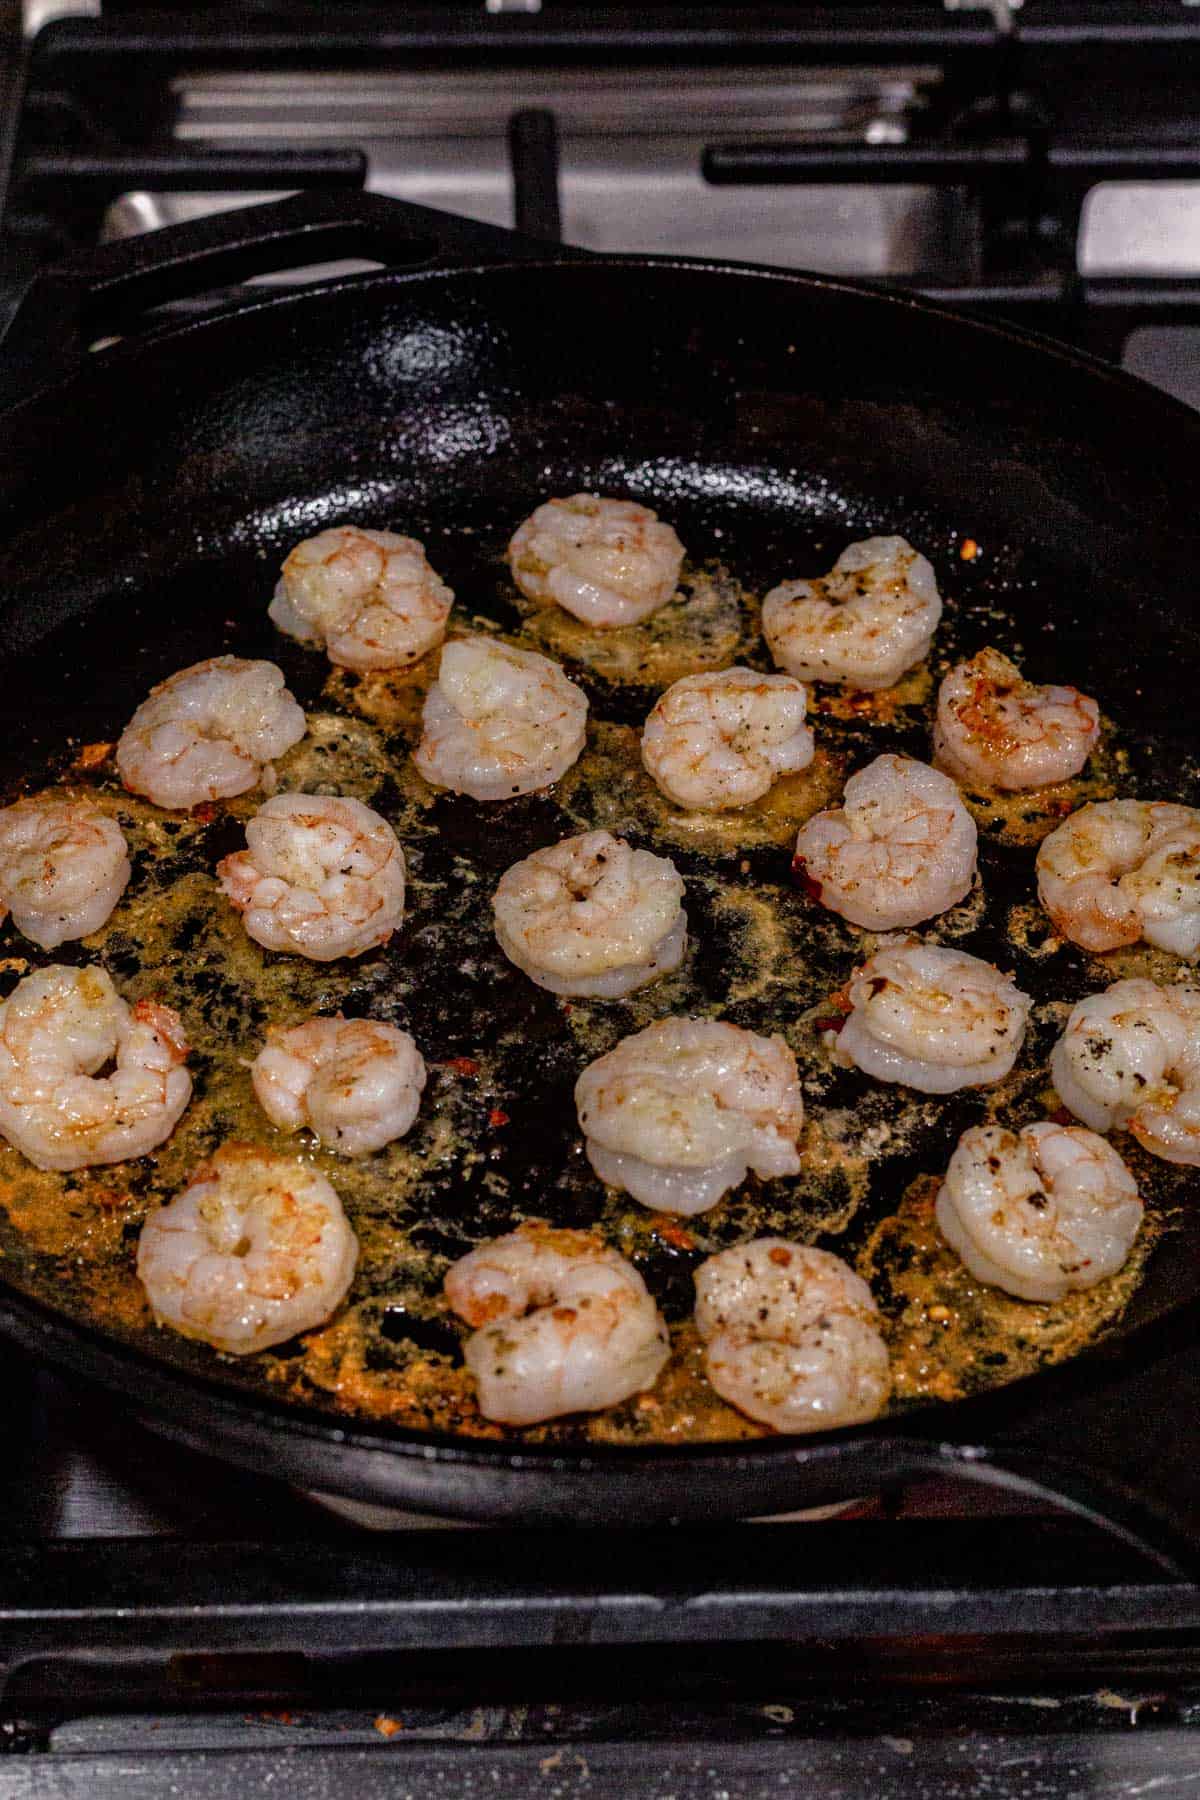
[[1032, 161], [170, 1624]]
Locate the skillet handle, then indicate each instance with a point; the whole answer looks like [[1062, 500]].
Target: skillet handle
[[71, 303], [1116, 1444]]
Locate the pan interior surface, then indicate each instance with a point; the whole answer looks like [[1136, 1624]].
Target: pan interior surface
[[771, 420]]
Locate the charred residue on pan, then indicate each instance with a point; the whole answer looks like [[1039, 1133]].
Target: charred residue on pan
[[503, 1055]]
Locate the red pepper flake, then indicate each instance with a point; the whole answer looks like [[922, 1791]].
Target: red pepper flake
[[387, 1727], [111, 1199], [91, 756], [676, 1235], [968, 550], [460, 1065], [1061, 1116], [804, 881], [497, 1117], [840, 1008], [206, 812], [780, 1257]]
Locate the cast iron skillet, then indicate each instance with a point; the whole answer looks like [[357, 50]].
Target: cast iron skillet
[[473, 374]]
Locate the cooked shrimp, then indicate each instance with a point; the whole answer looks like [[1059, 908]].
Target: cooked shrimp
[[321, 875], [863, 624], [1038, 1214], [369, 597], [994, 729], [899, 849], [592, 917], [677, 1113], [610, 562], [932, 1019], [63, 867], [209, 732], [355, 1083], [791, 1336], [1121, 870], [255, 1249], [716, 741], [1130, 1057], [564, 1324], [58, 1028], [499, 721]]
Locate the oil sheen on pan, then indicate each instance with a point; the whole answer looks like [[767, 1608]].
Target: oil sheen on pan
[[496, 1139]]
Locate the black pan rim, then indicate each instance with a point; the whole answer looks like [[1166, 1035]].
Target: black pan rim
[[122, 1367], [580, 265]]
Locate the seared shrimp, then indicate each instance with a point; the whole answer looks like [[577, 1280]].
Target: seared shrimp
[[1131, 1057], [610, 562], [871, 618], [255, 1249], [791, 1336], [63, 867], [899, 849], [1121, 870], [564, 1324], [716, 741], [369, 597], [591, 917], [677, 1113], [355, 1083], [209, 732], [994, 729], [1038, 1214], [499, 721], [932, 1019], [60, 1026], [321, 876]]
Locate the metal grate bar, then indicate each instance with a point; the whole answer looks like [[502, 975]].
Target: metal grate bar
[[529, 1589]]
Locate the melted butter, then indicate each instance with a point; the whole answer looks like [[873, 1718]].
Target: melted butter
[[710, 624], [680, 1409], [495, 1140], [341, 1361], [1024, 819], [950, 1335], [609, 790], [888, 706], [389, 698]]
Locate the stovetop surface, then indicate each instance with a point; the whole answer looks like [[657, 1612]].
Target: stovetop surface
[[168, 1624], [171, 1625]]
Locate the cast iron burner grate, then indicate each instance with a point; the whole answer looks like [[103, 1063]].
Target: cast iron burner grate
[[1026, 110], [168, 1624]]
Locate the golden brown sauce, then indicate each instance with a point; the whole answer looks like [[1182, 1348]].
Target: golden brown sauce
[[495, 1141], [710, 624], [1024, 819], [950, 1335]]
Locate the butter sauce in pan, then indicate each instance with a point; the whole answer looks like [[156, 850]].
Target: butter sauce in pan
[[496, 1140]]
